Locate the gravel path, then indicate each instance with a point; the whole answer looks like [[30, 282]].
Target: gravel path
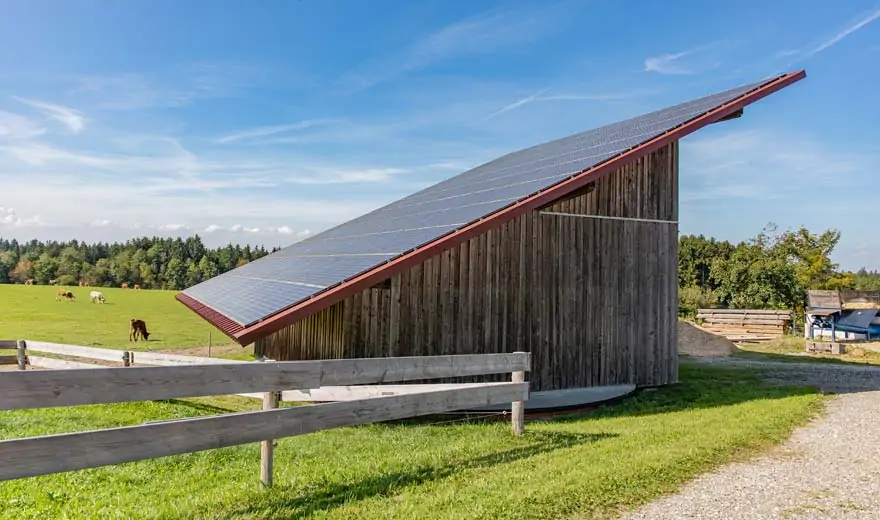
[[829, 469]]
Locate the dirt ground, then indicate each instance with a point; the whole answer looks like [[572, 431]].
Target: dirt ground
[[216, 351], [693, 340]]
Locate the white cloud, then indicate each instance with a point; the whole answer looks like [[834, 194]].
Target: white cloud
[[265, 131], [764, 164], [100, 223], [486, 33], [172, 227], [14, 126], [539, 97], [212, 228], [9, 218], [852, 27], [284, 230], [688, 62], [73, 119]]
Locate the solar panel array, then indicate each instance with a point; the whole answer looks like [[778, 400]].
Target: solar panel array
[[275, 282]]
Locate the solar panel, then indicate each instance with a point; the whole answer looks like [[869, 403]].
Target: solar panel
[[280, 280]]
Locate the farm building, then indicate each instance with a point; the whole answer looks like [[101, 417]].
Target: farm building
[[849, 315], [568, 250]]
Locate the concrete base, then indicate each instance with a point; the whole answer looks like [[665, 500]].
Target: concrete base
[[569, 398]]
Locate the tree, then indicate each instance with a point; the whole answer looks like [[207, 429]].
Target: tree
[[22, 272]]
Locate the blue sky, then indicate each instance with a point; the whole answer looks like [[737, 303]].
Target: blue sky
[[263, 122]]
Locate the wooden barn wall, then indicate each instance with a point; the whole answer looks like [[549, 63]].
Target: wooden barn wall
[[594, 300]]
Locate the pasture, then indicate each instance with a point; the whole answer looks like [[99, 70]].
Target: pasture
[[34, 313], [586, 465]]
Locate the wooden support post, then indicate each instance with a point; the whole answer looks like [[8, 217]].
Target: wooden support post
[[267, 447], [517, 407], [22, 354], [126, 358]]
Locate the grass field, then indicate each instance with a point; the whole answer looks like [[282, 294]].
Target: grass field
[[579, 466], [31, 312]]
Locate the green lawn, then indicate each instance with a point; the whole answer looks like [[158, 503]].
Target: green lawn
[[31, 312], [577, 466]]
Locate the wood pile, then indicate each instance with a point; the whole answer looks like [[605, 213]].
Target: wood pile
[[746, 325]]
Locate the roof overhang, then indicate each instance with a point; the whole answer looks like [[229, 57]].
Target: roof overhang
[[245, 335]]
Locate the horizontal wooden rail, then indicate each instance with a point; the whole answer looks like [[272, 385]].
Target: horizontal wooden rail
[[771, 312], [79, 386], [46, 388], [9, 344], [9, 360], [388, 370], [353, 393], [60, 364], [76, 351], [73, 451], [173, 360]]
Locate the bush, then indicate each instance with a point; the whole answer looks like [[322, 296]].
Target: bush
[[692, 298]]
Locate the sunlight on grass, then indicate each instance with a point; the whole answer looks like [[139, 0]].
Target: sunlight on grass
[[31, 312], [583, 464]]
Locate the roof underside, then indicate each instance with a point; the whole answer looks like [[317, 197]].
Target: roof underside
[[260, 297]]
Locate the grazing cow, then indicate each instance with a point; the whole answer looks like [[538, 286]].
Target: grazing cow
[[136, 286], [53, 282], [125, 285], [29, 281], [96, 296], [62, 294], [138, 328]]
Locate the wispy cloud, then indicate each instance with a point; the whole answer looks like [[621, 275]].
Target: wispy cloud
[[14, 126], [265, 131], [487, 33], [539, 97], [736, 165], [73, 119], [684, 63], [852, 27]]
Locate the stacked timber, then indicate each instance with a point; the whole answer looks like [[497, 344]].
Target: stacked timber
[[745, 325]]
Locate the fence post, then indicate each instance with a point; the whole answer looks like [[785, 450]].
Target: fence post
[[517, 409], [267, 447], [126, 358], [22, 354]]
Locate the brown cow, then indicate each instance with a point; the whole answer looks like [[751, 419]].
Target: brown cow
[[136, 286], [125, 285], [29, 281], [63, 294], [138, 328]]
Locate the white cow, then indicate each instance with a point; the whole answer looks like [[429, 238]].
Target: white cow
[[96, 296]]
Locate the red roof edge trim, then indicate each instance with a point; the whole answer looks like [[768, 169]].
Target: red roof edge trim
[[219, 320], [331, 296]]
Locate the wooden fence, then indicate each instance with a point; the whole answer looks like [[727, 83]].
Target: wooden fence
[[78, 386], [746, 325]]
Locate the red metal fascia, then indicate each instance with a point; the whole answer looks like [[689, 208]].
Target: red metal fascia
[[363, 281], [219, 320]]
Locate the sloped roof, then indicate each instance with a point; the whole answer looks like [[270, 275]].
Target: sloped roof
[[272, 292]]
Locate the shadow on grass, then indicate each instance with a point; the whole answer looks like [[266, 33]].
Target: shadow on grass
[[289, 502], [699, 387]]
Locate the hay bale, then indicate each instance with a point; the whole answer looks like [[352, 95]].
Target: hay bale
[[694, 340]]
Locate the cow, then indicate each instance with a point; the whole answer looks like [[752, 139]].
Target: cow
[[63, 294], [29, 281], [125, 285], [53, 282], [96, 296], [138, 328], [136, 286]]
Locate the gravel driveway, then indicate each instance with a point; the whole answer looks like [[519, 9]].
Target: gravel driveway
[[829, 469]]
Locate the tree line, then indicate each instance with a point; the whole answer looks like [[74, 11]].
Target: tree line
[[773, 270], [156, 263]]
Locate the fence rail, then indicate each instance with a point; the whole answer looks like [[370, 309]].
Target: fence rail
[[325, 379]]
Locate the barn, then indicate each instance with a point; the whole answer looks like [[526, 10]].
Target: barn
[[567, 249]]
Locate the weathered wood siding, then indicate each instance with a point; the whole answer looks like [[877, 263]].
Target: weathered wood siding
[[594, 300]]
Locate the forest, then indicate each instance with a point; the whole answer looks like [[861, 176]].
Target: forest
[[154, 263], [771, 270]]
